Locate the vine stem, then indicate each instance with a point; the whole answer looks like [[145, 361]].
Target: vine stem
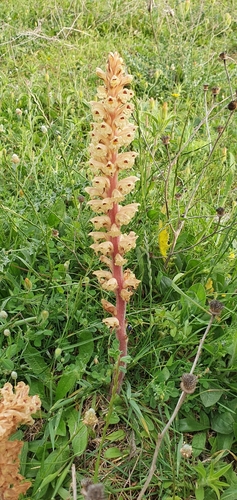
[[174, 414]]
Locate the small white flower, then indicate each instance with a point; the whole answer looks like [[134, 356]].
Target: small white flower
[[7, 332], [14, 375], [3, 315], [18, 111], [44, 129], [186, 450], [15, 159]]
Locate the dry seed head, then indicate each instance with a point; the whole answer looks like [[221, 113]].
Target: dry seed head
[[92, 491], [165, 139], [205, 87], [220, 212], [232, 106], [223, 56], [216, 307], [215, 91], [188, 383]]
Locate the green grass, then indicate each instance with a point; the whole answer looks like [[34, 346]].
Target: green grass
[[49, 53]]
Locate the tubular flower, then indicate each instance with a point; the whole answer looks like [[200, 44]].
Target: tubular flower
[[112, 130]]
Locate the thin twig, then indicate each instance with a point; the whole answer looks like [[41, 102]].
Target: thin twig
[[207, 124], [74, 482], [174, 414], [182, 221]]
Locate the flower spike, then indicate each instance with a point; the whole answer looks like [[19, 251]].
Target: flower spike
[[112, 130]]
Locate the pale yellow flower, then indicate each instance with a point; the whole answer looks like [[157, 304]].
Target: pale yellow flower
[[127, 184], [126, 294], [101, 222], [126, 213], [103, 205], [127, 242], [114, 231], [112, 322], [103, 275], [108, 307], [119, 260], [117, 196], [125, 160], [90, 419], [99, 235], [106, 247], [101, 182], [110, 285]]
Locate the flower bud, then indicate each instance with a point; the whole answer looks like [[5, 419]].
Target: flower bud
[[3, 315], [44, 129], [44, 315], [15, 159], [14, 375], [57, 352], [6, 332]]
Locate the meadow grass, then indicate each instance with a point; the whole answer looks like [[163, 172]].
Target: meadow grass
[[186, 251]]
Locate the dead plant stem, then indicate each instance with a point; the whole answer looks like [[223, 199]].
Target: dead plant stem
[[174, 414]]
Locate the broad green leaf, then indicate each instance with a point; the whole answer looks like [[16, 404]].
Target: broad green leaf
[[199, 493], [63, 493], [198, 443], [73, 422], [173, 498], [79, 442], [210, 397], [198, 291], [61, 478], [230, 493], [223, 423], [116, 436], [66, 384], [114, 419], [7, 364], [53, 424], [50, 468], [36, 363], [222, 442], [190, 424], [86, 347], [113, 452]]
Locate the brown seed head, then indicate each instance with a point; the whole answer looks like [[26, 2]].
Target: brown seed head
[[188, 383], [205, 87], [215, 91], [220, 212], [92, 491], [223, 56], [215, 307], [232, 105], [165, 139]]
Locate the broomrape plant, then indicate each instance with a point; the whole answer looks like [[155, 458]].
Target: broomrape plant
[[111, 131], [16, 408]]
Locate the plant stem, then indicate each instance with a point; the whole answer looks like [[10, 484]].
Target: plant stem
[[174, 414], [110, 410]]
